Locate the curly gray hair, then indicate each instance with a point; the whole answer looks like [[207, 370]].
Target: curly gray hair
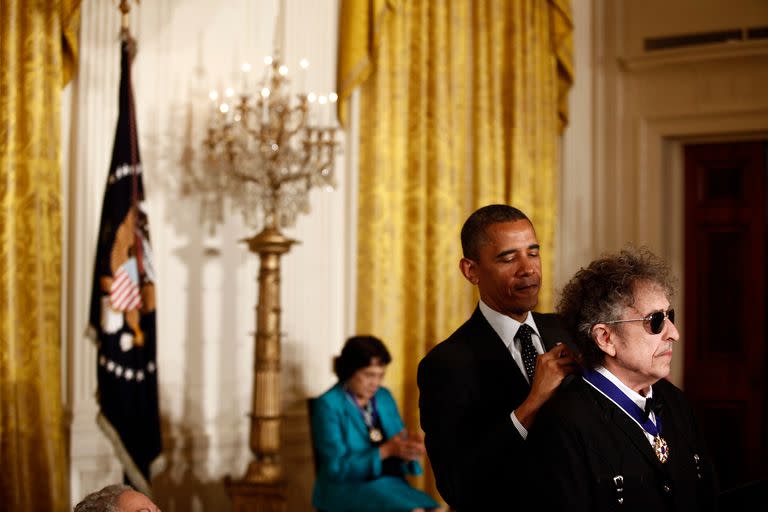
[[103, 500], [603, 289]]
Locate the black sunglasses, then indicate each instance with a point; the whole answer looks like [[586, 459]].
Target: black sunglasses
[[655, 320]]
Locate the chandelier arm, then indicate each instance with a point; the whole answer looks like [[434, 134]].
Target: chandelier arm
[[293, 177], [307, 159], [242, 176], [291, 133], [255, 133]]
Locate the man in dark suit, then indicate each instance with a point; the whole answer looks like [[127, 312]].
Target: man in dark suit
[[620, 437], [481, 388]]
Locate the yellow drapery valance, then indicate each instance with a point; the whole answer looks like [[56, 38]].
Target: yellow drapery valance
[[38, 55]]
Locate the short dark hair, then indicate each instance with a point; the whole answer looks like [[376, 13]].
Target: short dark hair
[[473, 231], [601, 291], [103, 500], [360, 352]]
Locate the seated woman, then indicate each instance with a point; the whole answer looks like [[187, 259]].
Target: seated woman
[[362, 449]]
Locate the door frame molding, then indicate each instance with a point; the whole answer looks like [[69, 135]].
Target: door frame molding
[[659, 158]]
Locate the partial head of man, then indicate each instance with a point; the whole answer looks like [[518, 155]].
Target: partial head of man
[[617, 309], [116, 498], [501, 257]]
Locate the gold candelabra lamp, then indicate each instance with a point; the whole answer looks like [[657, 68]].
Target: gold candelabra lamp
[[266, 148]]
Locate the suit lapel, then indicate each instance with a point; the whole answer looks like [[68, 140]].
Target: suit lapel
[[629, 428], [636, 435], [671, 425], [387, 415], [492, 352], [548, 330], [353, 414]]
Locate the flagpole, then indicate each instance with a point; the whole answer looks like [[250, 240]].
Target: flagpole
[[125, 22], [125, 8], [122, 312]]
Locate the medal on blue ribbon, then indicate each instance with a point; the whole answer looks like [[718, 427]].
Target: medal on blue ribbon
[[600, 382], [369, 417]]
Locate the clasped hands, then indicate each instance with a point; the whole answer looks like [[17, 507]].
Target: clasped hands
[[405, 445]]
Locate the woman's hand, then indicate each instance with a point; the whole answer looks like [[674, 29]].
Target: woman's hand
[[403, 446]]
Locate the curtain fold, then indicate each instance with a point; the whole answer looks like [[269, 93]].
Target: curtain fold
[[38, 52], [561, 17], [461, 105], [360, 24]]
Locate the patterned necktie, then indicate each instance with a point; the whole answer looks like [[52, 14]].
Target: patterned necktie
[[527, 350]]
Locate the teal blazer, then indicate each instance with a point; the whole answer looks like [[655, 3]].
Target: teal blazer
[[349, 468]]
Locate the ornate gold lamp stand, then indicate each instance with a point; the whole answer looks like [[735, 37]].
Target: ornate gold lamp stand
[[270, 245], [262, 487], [266, 152]]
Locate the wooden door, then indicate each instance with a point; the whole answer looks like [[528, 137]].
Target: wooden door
[[725, 303]]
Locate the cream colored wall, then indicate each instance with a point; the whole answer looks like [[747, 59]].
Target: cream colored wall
[[637, 111], [206, 284], [575, 230]]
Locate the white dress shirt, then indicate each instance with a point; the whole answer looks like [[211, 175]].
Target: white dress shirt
[[506, 328]]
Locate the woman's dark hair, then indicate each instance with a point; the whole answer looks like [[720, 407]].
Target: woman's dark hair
[[359, 352]]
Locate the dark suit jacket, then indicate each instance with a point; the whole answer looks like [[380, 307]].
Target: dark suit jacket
[[582, 441], [469, 384]]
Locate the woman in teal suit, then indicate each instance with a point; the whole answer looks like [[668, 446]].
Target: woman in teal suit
[[362, 449]]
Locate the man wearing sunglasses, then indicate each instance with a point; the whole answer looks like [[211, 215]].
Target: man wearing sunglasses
[[621, 437]]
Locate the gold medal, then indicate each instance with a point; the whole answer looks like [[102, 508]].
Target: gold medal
[[661, 448], [375, 435]]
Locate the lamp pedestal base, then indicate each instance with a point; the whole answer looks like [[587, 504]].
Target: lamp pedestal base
[[256, 496], [263, 488]]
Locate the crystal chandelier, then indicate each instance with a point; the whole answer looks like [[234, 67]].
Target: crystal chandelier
[[267, 147]]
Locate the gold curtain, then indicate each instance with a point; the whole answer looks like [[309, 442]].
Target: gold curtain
[[461, 103], [38, 51]]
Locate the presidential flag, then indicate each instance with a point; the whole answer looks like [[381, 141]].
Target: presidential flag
[[122, 315]]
